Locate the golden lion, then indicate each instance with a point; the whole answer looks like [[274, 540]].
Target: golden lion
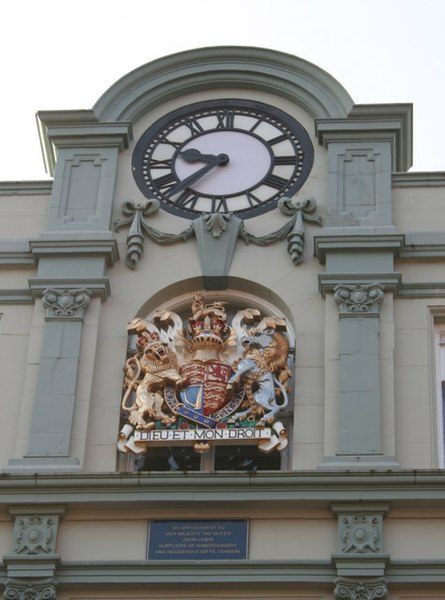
[[148, 372]]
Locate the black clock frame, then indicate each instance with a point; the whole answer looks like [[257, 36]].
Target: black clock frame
[[224, 110]]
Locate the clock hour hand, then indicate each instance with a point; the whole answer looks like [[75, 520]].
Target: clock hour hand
[[194, 155], [220, 159]]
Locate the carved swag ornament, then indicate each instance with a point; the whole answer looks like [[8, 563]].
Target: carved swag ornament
[[135, 213]]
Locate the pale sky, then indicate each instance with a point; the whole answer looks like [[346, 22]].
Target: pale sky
[[57, 54]]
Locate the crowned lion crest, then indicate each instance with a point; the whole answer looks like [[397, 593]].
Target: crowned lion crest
[[201, 380]]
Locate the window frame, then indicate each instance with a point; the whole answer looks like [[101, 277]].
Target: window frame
[[439, 343]]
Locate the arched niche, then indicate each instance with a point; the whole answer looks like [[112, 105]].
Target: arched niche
[[170, 320], [177, 297]]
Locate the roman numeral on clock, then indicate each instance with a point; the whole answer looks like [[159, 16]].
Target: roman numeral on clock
[[278, 139], [285, 160], [226, 119], [165, 182], [194, 126], [187, 199], [164, 140], [274, 181], [160, 164], [219, 205], [252, 199]]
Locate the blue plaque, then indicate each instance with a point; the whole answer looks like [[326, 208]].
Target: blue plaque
[[198, 540]]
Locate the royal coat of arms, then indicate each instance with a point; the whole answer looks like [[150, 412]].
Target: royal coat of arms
[[201, 381]]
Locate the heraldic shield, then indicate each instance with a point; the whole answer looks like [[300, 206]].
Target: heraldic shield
[[200, 381]]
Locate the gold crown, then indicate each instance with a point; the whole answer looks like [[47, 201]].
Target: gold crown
[[208, 324]]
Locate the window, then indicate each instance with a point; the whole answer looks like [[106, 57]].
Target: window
[[208, 387], [439, 330]]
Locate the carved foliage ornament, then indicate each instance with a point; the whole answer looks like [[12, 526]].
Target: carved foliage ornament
[[66, 303], [356, 589], [360, 534], [206, 379], [358, 299], [34, 534], [16, 589]]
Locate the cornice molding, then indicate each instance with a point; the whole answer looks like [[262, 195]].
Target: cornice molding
[[16, 297], [376, 122], [224, 66], [291, 488], [13, 254], [266, 573], [26, 188], [421, 290], [403, 247], [419, 179], [106, 248], [356, 242], [78, 128]]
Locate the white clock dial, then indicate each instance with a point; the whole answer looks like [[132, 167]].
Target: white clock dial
[[225, 156], [249, 162]]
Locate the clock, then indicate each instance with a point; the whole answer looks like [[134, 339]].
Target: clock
[[227, 156]]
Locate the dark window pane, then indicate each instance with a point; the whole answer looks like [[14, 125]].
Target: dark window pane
[[245, 458], [169, 459]]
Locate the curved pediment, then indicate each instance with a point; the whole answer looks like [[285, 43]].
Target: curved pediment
[[226, 66]]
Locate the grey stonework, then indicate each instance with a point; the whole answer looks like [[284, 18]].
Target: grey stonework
[[360, 589], [359, 381], [18, 589]]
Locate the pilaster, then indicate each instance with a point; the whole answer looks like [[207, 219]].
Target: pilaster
[[359, 272], [32, 563], [359, 382], [360, 559], [82, 154], [359, 422], [72, 257], [55, 395], [363, 150]]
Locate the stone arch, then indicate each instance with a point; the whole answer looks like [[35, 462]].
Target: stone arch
[[177, 296], [220, 67], [181, 336]]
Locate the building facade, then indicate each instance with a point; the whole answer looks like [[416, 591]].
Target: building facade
[[222, 331]]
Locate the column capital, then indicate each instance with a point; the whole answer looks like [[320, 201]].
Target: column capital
[[66, 304], [346, 588], [358, 299], [19, 589]]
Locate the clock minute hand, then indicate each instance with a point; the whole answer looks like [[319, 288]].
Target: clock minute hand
[[220, 159]]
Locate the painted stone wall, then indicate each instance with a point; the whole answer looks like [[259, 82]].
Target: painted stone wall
[[355, 512]]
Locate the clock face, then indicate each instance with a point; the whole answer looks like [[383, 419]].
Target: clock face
[[228, 156]]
